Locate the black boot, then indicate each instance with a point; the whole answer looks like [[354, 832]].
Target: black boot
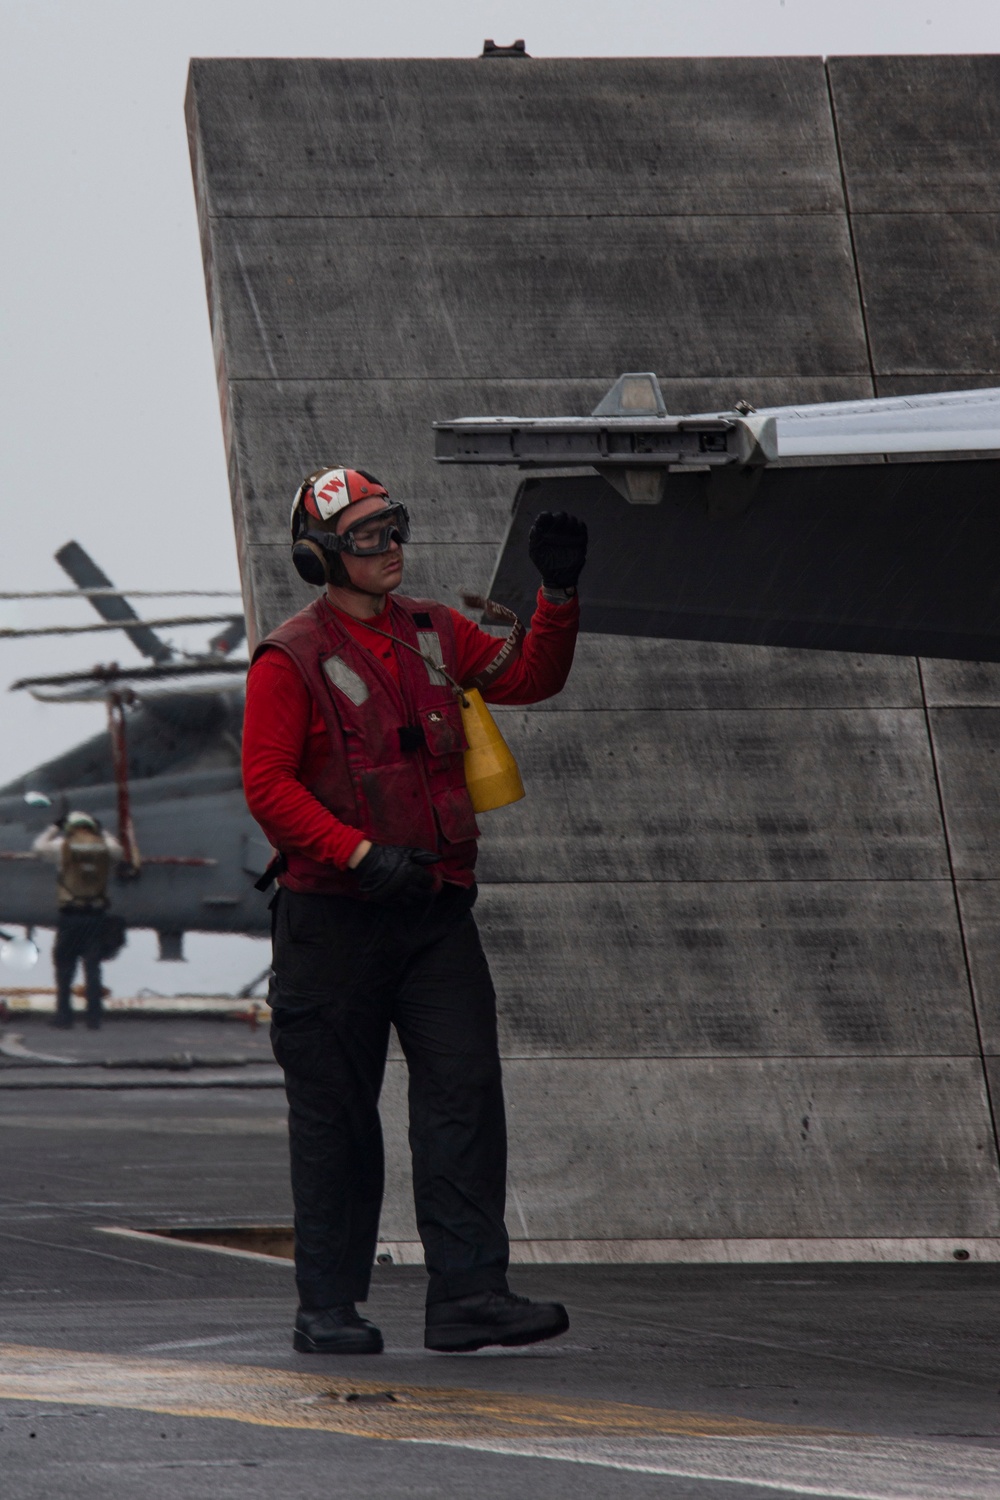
[[467, 1323], [335, 1330], [62, 1020]]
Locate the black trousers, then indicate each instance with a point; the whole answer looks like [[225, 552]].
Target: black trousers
[[79, 935], [344, 972]]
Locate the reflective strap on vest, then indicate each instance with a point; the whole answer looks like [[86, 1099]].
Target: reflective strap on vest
[[350, 683], [429, 643]]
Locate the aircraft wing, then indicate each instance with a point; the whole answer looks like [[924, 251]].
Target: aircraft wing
[[896, 558], [728, 526], [946, 422]]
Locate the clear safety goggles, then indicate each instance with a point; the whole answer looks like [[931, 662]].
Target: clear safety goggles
[[372, 535]]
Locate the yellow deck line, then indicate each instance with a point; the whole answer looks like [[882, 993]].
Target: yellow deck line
[[291, 1398], [786, 1460]]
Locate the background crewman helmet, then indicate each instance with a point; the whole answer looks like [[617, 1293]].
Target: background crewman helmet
[[81, 820]]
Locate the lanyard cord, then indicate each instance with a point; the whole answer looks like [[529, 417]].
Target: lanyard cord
[[428, 661], [494, 612]]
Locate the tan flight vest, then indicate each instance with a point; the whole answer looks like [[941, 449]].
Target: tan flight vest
[[84, 869]]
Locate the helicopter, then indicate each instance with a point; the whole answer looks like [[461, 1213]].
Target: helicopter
[[165, 777]]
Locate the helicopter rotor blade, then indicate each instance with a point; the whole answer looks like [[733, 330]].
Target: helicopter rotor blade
[[17, 634], [111, 675], [113, 593], [112, 607]]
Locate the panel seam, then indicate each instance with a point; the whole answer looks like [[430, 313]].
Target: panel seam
[[727, 880], [850, 228], [963, 939], [539, 218], [690, 213]]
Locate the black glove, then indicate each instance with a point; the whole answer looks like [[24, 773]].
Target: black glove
[[391, 875], [557, 545]]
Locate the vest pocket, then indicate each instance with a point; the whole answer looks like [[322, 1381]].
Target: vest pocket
[[446, 742], [443, 732], [455, 816], [396, 806]]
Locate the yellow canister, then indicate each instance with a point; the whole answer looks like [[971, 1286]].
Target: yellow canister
[[491, 772]]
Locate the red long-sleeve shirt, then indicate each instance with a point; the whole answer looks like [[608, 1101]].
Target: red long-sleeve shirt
[[285, 741]]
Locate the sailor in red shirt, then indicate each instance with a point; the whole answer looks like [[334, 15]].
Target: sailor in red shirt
[[353, 766]]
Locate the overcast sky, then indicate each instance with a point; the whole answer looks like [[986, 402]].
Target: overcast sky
[[111, 424]]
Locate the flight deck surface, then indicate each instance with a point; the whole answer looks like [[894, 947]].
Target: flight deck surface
[[135, 1366]]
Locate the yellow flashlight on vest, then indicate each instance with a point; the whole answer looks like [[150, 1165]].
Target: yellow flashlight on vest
[[491, 773]]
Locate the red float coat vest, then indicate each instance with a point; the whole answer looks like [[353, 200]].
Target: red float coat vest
[[395, 770]]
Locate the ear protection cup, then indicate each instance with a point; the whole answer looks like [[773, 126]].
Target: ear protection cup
[[316, 566], [309, 561]]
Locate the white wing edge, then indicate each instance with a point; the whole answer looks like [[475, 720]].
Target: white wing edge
[[936, 422]]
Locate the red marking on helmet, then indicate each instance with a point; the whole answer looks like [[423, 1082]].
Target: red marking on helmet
[[330, 489]]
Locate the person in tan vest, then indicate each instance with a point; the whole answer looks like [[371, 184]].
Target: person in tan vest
[[84, 856]]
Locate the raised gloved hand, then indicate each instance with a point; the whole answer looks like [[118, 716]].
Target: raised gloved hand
[[395, 876], [557, 545]]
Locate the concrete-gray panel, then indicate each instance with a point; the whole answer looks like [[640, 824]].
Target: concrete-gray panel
[[918, 134], [728, 969], [957, 684], [993, 1077], [282, 431], [928, 281], [754, 795], [967, 747], [535, 298], [567, 136], [931, 382], [638, 672], [692, 1147], [980, 906]]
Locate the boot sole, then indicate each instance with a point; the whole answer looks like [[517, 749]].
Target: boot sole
[[303, 1344], [468, 1339]]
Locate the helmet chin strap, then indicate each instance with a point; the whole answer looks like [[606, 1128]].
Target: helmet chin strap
[[350, 587], [337, 575]]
